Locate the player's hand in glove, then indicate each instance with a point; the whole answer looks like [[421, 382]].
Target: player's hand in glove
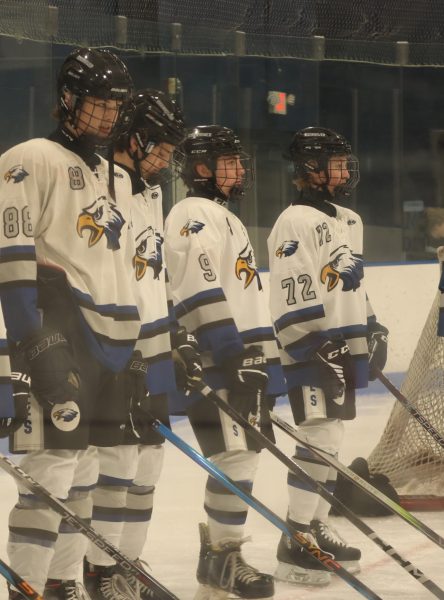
[[187, 363], [21, 387], [54, 374], [334, 356], [136, 391], [248, 378], [377, 348]]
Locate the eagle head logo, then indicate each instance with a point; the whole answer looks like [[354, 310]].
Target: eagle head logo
[[245, 265], [191, 226], [148, 253], [344, 266], [287, 248], [65, 414], [15, 174], [101, 217]]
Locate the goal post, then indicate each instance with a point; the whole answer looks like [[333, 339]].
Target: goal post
[[406, 453]]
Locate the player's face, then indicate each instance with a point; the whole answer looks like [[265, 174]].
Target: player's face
[[158, 159], [229, 173], [97, 117], [338, 173]]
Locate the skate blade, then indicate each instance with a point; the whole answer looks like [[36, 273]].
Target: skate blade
[[205, 592], [352, 566], [295, 574]]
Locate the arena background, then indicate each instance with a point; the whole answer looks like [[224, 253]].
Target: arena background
[[370, 69]]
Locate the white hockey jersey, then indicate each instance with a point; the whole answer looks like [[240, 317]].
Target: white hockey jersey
[[59, 213], [149, 274], [317, 289], [216, 287]]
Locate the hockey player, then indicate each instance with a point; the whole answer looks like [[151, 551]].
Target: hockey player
[[123, 499], [69, 306], [218, 296], [326, 328]]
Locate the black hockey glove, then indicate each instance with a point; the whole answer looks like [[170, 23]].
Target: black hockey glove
[[377, 348], [21, 387], [248, 378], [187, 363], [54, 374], [334, 356], [137, 392], [135, 378]]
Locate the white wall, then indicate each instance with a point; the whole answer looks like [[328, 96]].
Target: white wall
[[401, 296]]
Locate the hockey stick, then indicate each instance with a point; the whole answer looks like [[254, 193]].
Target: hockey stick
[[20, 584], [322, 557], [364, 485], [411, 408], [322, 491], [81, 526]]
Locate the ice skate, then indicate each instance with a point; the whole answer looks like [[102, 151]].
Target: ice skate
[[329, 540], [64, 589], [297, 566], [140, 590], [222, 572], [106, 583]]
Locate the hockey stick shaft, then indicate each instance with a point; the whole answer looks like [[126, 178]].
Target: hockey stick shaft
[[322, 491], [360, 482], [20, 584], [411, 408], [82, 527], [322, 557]]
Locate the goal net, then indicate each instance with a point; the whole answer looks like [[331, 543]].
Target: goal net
[[406, 452]]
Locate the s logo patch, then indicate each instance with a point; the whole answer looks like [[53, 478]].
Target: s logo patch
[[16, 174]]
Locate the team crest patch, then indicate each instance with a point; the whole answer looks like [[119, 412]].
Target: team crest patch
[[245, 267], [191, 226], [15, 174], [65, 417], [344, 266], [148, 253], [101, 218], [287, 248]]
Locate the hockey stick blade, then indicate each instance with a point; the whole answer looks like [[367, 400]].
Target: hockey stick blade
[[322, 557], [82, 527], [360, 482], [322, 491], [19, 584], [411, 408]]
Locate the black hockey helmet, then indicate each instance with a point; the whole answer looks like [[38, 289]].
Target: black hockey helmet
[[157, 118], [97, 73], [311, 149], [205, 144]]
